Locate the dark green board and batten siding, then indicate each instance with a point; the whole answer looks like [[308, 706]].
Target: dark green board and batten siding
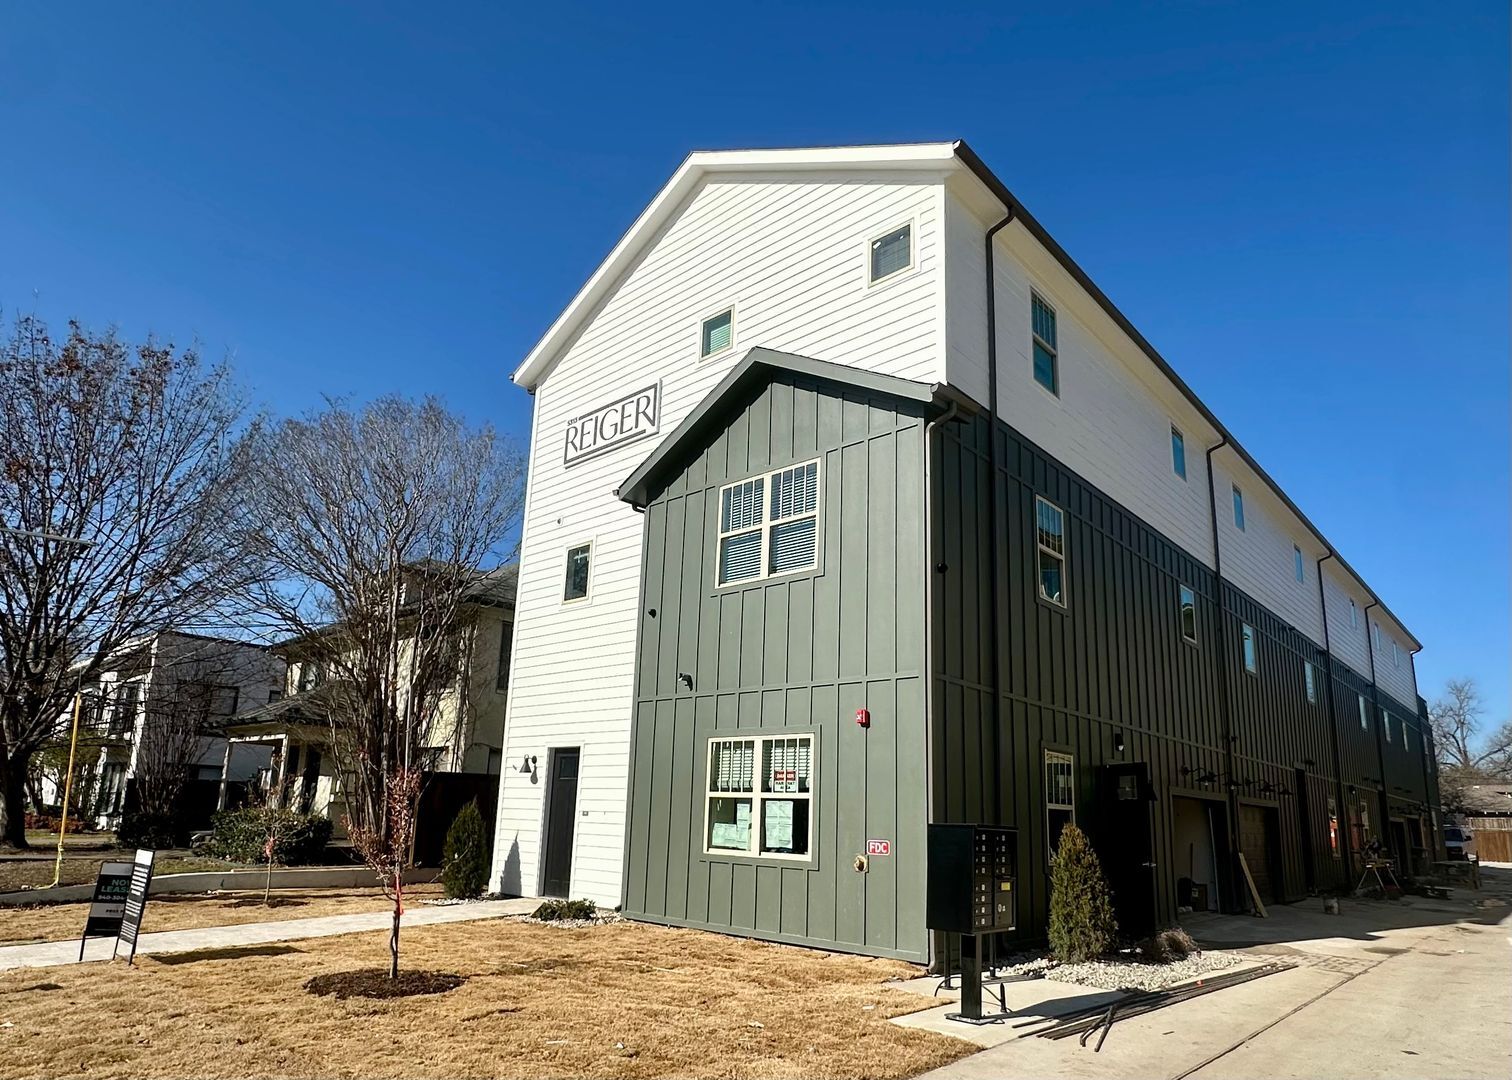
[[794, 654]]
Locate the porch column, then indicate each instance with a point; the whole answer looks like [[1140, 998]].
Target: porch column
[[220, 799]]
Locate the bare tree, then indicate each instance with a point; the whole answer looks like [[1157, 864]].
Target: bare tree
[[378, 523], [1456, 719], [118, 474]]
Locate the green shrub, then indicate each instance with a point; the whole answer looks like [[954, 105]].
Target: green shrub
[[464, 859], [563, 910], [1082, 926], [144, 829], [242, 836]]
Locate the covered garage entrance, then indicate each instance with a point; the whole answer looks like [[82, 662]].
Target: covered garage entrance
[[1199, 852], [1258, 830]]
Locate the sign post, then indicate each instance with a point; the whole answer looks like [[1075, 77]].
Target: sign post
[[120, 896], [108, 904], [136, 903]]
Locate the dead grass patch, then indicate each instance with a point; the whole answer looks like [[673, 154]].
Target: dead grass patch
[[623, 1000], [193, 911]]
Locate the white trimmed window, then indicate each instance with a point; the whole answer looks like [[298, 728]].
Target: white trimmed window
[[717, 334], [1396, 654], [1251, 660], [1050, 538], [890, 254], [1297, 563], [1238, 508], [1178, 452], [1310, 679], [1386, 723], [1354, 615], [1043, 344], [1375, 631], [769, 525], [1406, 737], [1188, 614], [1364, 713], [759, 799], [1060, 796]]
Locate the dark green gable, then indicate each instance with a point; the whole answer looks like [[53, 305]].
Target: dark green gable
[[796, 654]]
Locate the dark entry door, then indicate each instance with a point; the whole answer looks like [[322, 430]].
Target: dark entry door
[[1127, 848], [1258, 844], [561, 814]]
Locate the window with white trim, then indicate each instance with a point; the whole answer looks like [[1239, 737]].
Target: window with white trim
[[1364, 713], [1310, 680], [1386, 723], [891, 253], [579, 563], [1060, 796], [759, 799], [1188, 614], [1178, 452], [1238, 508], [1050, 538], [1396, 654], [717, 334], [769, 525], [1043, 344], [1354, 615], [1251, 660], [1406, 737], [1297, 563], [1375, 631]]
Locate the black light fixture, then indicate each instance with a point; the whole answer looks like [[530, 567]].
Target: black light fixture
[[685, 678], [528, 765], [1118, 742]]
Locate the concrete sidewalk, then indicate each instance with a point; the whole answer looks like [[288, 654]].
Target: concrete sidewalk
[[54, 953], [1410, 989]]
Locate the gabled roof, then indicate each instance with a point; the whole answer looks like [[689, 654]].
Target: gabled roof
[[757, 368], [941, 158]]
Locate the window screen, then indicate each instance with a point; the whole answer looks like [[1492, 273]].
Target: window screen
[[718, 333], [892, 253], [1050, 537], [1046, 352]]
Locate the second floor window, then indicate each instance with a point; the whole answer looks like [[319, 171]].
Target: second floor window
[[769, 525], [506, 636], [1188, 614], [1311, 682], [1050, 537], [1364, 712], [1251, 659]]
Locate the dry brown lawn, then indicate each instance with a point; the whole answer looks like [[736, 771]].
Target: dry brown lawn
[[188, 911], [618, 1000]]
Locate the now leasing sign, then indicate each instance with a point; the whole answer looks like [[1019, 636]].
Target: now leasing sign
[[632, 417]]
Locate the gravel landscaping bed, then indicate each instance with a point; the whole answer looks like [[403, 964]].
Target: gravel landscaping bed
[[1113, 974]]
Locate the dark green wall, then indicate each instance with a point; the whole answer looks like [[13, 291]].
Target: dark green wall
[[800, 653]]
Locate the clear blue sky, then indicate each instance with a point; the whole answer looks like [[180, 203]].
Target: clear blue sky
[[1304, 207]]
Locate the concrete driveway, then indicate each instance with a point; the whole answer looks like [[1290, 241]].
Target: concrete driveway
[[1415, 988]]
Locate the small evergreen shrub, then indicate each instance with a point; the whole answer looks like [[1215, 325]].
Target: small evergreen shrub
[[464, 859], [144, 829], [242, 836], [1082, 926], [565, 910]]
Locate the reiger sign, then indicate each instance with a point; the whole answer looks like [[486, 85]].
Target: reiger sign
[[624, 420]]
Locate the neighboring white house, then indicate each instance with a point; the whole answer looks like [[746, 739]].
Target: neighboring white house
[[145, 690], [876, 258]]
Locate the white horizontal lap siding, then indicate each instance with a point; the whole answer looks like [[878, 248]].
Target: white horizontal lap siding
[[1108, 423], [791, 257], [1348, 643], [1260, 559], [1394, 678]]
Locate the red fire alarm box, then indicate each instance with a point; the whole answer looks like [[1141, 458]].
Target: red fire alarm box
[[863, 717]]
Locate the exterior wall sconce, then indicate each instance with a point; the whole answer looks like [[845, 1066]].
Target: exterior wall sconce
[[528, 765], [685, 678], [1118, 743]]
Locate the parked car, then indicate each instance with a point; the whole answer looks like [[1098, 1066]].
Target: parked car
[[1457, 840]]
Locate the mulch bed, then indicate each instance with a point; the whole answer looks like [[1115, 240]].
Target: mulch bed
[[375, 983]]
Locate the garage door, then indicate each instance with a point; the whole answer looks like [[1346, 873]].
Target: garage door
[[1257, 841]]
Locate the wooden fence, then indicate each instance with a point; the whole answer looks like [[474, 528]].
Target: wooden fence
[[1493, 838]]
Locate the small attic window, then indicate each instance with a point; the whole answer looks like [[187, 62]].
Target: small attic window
[[891, 253], [718, 333]]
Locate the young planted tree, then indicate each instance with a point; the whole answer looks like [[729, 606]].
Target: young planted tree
[[379, 522], [1082, 926], [119, 472]]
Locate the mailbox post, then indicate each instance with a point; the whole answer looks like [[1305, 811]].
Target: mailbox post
[[972, 891]]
